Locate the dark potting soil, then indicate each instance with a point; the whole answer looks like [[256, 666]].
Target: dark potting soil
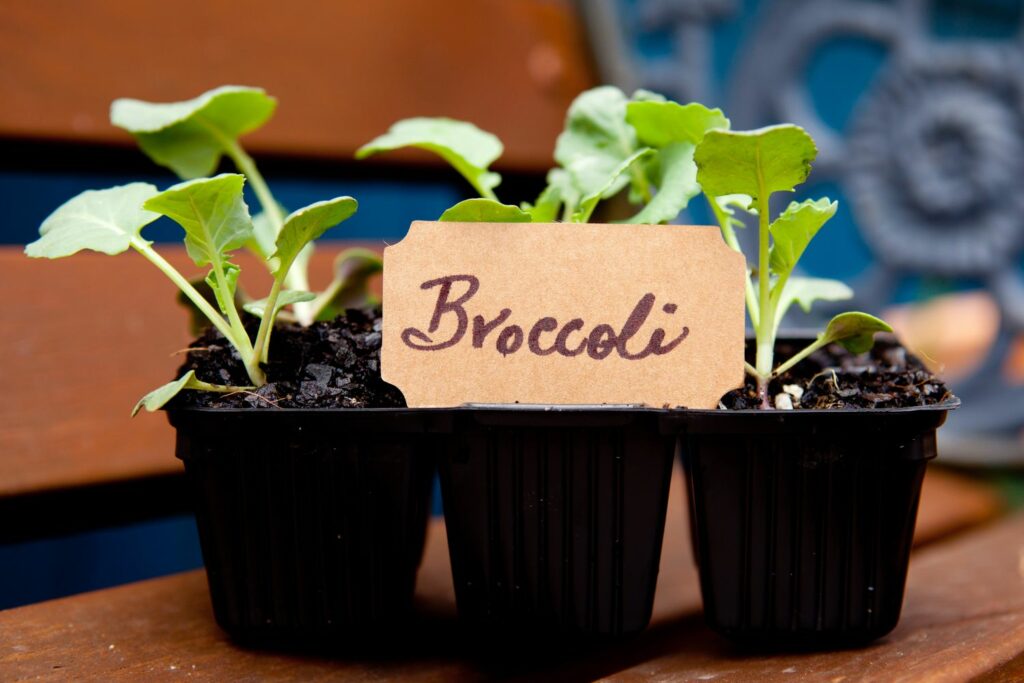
[[887, 376], [332, 364]]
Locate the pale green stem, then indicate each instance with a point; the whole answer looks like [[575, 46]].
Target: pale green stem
[[749, 369], [764, 336], [729, 235], [325, 297], [216, 388], [216, 319], [261, 348], [808, 350], [297, 278], [227, 297]]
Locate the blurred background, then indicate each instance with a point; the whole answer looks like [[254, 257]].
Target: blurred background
[[917, 107]]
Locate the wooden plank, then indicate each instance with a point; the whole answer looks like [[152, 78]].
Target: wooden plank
[[343, 71], [963, 617], [82, 339], [162, 628]]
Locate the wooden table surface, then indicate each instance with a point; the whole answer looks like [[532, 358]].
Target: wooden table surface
[[963, 617]]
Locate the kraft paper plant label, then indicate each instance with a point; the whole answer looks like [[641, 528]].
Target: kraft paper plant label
[[563, 314]]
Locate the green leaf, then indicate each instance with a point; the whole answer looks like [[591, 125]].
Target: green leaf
[[773, 159], [596, 140], [548, 203], [589, 202], [307, 224], [479, 210], [212, 212], [353, 270], [854, 330], [189, 137], [231, 272], [99, 220], [794, 229], [804, 291], [285, 298], [659, 124], [467, 148], [560, 183], [674, 130], [158, 398], [676, 179]]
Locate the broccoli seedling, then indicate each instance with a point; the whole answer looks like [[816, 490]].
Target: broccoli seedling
[[192, 136], [610, 142], [216, 223], [665, 154], [743, 170]]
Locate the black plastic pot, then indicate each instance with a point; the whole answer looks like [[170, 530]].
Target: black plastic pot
[[555, 518], [803, 520], [312, 522]]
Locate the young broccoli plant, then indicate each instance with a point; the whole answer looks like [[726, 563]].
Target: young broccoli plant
[[216, 223], [611, 142], [191, 137], [743, 170]]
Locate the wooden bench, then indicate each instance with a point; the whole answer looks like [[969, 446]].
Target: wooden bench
[[963, 618]]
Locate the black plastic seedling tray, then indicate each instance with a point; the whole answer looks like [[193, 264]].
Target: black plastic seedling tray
[[555, 517], [803, 520], [311, 522]]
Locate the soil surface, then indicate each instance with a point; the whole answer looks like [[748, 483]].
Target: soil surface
[[888, 376], [332, 364]]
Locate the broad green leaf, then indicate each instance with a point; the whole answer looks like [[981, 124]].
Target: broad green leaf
[[197, 321], [189, 137], [467, 148], [589, 202], [307, 224], [285, 298], [675, 176], [212, 212], [156, 399], [674, 130], [773, 159], [548, 203], [480, 210], [353, 270], [659, 124], [794, 229], [99, 220], [596, 140], [804, 291], [855, 331], [231, 272]]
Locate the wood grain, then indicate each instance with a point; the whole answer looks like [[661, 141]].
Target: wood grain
[[81, 339], [963, 617], [342, 70]]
